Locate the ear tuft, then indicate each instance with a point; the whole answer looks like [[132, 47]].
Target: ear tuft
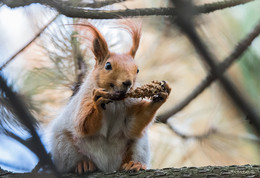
[[99, 44], [134, 28]]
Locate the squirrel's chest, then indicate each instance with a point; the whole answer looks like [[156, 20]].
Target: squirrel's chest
[[114, 119]]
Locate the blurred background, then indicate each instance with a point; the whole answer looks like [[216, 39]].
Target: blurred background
[[208, 131]]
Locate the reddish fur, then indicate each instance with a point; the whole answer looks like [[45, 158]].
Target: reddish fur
[[87, 111], [99, 47], [133, 166], [69, 135], [123, 66], [127, 153], [134, 28], [143, 113], [90, 119]]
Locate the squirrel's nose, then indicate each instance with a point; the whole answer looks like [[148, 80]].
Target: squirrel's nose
[[127, 83]]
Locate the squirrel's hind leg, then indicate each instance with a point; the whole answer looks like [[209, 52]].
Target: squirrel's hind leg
[[133, 166], [137, 155], [85, 166]]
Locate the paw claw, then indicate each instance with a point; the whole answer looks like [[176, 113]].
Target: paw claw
[[97, 97], [85, 167], [167, 87], [103, 106], [97, 93], [161, 97], [133, 166], [110, 101]]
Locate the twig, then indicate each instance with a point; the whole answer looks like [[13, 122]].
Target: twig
[[12, 165], [80, 65], [207, 8], [77, 12], [15, 137], [209, 79], [27, 120], [99, 4], [211, 131], [30, 42], [72, 3], [187, 26]]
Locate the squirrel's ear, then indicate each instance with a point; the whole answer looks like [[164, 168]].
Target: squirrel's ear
[[99, 44], [100, 48], [134, 28]]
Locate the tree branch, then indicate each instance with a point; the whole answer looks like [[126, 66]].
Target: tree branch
[[209, 79], [238, 171], [72, 3], [96, 4], [186, 24], [80, 65], [206, 8], [211, 7], [77, 12], [25, 117], [202, 136], [28, 44]]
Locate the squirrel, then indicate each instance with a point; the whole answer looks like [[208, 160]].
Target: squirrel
[[97, 132]]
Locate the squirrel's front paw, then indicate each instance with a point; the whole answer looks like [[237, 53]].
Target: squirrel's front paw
[[101, 98], [85, 166], [133, 166], [161, 97]]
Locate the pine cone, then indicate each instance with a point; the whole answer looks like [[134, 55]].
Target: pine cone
[[148, 90]]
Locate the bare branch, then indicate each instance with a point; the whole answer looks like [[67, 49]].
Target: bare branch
[[207, 81], [185, 23], [96, 4], [28, 44], [27, 120], [80, 65], [72, 3], [77, 12], [207, 8], [208, 171], [110, 14], [205, 135]]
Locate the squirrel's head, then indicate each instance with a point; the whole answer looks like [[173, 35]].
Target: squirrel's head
[[115, 72]]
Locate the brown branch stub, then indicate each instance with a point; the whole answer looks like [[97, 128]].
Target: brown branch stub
[[207, 81]]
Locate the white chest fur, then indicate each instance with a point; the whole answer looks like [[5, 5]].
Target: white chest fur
[[114, 119], [106, 148]]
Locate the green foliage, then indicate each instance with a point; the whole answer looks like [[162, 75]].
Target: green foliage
[[250, 61], [63, 68], [250, 66]]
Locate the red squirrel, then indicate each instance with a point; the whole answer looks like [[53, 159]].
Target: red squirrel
[[96, 132]]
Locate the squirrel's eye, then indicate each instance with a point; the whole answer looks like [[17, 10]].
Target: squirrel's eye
[[108, 66], [137, 71]]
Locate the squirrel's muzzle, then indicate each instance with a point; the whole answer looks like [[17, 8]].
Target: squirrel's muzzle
[[118, 95]]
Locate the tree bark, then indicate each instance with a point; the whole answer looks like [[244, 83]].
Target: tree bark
[[234, 171]]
